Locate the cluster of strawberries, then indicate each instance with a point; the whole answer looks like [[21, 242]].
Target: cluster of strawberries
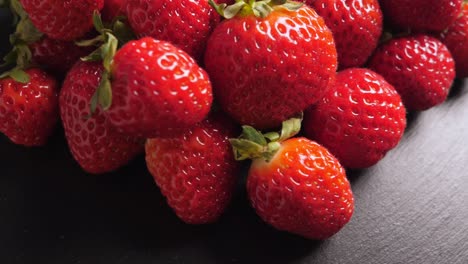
[[175, 78]]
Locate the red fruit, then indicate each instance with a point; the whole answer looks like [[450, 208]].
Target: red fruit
[[264, 70], [195, 171], [112, 9], [29, 111], [419, 67], [94, 142], [356, 27], [456, 40], [58, 56], [63, 20], [359, 120], [158, 90], [421, 15], [185, 23], [303, 190]]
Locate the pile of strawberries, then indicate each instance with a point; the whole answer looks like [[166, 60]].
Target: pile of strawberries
[[176, 79]]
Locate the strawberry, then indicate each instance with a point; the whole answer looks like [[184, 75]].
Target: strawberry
[[295, 184], [359, 120], [356, 27], [456, 40], [185, 23], [421, 15], [94, 142], [196, 171], [158, 90], [112, 9], [419, 67], [29, 110], [62, 20], [270, 61]]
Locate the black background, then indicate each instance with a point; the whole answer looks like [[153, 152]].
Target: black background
[[410, 208]]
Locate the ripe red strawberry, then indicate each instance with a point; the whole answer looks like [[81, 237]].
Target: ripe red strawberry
[[112, 9], [185, 23], [29, 111], [196, 171], [158, 90], [359, 120], [456, 40], [94, 142], [295, 184], [58, 56], [419, 67], [356, 27], [421, 15], [264, 70], [63, 20]]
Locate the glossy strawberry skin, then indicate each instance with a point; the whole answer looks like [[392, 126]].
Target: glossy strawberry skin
[[356, 27], [302, 190], [456, 40], [419, 67], [359, 120], [94, 142], [62, 20], [185, 23], [158, 90], [196, 171], [57, 56], [266, 70], [29, 112], [421, 15]]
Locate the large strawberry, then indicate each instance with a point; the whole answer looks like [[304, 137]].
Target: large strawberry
[[185, 23], [359, 120], [269, 61], [356, 27], [295, 184], [419, 67], [63, 20], [29, 109], [94, 142], [456, 40], [157, 89], [421, 15], [196, 171]]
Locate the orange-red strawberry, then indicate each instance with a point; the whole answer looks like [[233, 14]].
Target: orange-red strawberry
[[94, 142], [270, 64], [157, 89], [356, 27], [421, 15], [295, 184], [196, 171], [63, 20], [420, 68], [185, 23], [456, 40], [359, 120], [29, 111]]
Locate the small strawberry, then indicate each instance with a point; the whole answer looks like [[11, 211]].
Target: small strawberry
[[112, 9], [419, 67], [29, 109], [63, 20], [157, 90], [456, 40], [269, 61], [359, 120], [94, 142], [421, 15], [356, 27], [295, 184], [196, 171], [185, 23]]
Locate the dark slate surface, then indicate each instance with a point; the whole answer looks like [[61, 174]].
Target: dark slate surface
[[410, 208]]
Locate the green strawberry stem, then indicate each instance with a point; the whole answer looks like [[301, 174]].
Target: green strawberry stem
[[252, 144], [257, 8]]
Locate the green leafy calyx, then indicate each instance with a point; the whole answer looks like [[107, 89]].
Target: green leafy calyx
[[261, 8]]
